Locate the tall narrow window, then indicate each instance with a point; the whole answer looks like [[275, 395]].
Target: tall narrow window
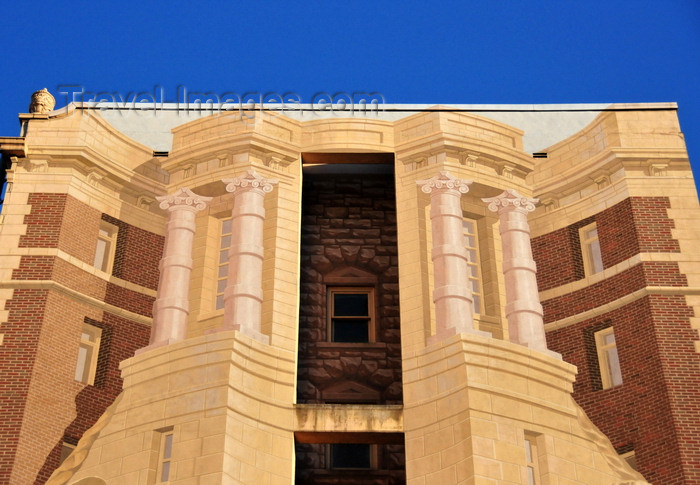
[[106, 244], [531, 459], [87, 354], [222, 275], [590, 247], [165, 456], [610, 371], [471, 242], [350, 315]]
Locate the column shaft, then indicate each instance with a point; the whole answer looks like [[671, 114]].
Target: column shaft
[[244, 294], [523, 308], [171, 308], [452, 295]]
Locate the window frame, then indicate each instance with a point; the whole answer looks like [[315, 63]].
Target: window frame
[[607, 372], [373, 457], [532, 465], [371, 317], [104, 258], [165, 436], [89, 365], [221, 281], [474, 266], [590, 248]]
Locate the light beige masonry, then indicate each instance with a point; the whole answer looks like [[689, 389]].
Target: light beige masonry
[[468, 402], [224, 383]]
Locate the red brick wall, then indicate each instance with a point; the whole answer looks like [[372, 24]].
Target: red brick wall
[[17, 354], [137, 254], [32, 374], [654, 412], [652, 273], [637, 224]]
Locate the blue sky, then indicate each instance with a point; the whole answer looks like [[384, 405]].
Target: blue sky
[[470, 52]]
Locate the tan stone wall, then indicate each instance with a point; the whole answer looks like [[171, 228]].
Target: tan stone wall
[[469, 402], [226, 397]]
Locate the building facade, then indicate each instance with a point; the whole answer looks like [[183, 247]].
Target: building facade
[[404, 294]]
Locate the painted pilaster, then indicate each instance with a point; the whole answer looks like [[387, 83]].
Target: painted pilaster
[[523, 308], [452, 295], [243, 293], [171, 308]]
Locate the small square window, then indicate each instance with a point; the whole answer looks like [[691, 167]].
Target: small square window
[[590, 248], [608, 360], [630, 459], [351, 456], [106, 246], [88, 352], [350, 315]]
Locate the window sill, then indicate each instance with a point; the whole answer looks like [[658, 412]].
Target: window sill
[[350, 345]]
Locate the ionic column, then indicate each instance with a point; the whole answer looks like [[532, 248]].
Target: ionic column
[[171, 308], [452, 295], [523, 308], [243, 293]]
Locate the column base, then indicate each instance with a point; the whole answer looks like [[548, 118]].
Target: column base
[[449, 332], [156, 345], [245, 330]]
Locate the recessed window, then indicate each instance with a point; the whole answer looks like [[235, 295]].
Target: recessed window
[[165, 456], [66, 450], [610, 371], [351, 456], [630, 459], [590, 248], [471, 242], [222, 275], [531, 461], [350, 314], [106, 245], [87, 354]]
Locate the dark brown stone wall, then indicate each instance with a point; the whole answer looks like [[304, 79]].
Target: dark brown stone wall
[[349, 224], [312, 469]]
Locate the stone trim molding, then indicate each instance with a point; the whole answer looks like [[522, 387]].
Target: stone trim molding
[[88, 300], [620, 302]]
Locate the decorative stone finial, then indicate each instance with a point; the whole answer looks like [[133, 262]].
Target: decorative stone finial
[[252, 180], [184, 198], [511, 198], [444, 180], [42, 102]]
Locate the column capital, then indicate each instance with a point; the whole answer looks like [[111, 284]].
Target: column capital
[[444, 181], [251, 181], [511, 200], [183, 199]]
